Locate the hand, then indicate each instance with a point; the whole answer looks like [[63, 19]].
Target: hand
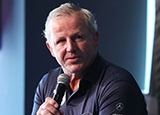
[[49, 107]]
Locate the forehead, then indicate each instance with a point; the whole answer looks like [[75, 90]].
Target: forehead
[[73, 21]]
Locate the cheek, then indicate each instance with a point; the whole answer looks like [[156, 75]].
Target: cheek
[[88, 48], [59, 54]]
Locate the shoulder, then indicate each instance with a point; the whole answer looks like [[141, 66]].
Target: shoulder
[[51, 76], [117, 79], [45, 88], [116, 73], [48, 83], [118, 86]]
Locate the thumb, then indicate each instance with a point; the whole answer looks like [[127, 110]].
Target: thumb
[[61, 112]]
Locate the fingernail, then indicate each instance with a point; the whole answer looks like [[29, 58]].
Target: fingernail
[[56, 105]]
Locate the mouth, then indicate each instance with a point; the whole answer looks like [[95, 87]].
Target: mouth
[[73, 59]]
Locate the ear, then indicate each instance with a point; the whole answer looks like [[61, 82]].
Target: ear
[[50, 49]]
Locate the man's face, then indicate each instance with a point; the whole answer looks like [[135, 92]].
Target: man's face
[[71, 43]]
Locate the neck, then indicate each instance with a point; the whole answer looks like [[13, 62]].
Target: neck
[[75, 81], [76, 77]]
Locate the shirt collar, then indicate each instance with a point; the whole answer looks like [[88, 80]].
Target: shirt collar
[[95, 70]]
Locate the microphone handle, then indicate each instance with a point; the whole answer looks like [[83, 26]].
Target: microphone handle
[[59, 94]]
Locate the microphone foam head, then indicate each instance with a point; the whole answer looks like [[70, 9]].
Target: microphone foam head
[[64, 79]]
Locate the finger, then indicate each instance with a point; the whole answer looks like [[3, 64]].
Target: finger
[[47, 106], [43, 112], [61, 112], [52, 102]]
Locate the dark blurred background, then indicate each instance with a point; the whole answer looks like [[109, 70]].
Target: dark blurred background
[[123, 41]]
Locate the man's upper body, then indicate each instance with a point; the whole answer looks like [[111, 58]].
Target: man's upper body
[[72, 38], [105, 89]]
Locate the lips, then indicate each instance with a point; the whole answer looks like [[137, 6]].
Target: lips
[[73, 59]]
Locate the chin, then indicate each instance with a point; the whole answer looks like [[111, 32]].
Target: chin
[[75, 69]]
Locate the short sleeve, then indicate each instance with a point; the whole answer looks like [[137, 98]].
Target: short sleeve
[[122, 97]]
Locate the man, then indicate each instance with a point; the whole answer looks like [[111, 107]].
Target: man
[[97, 87]]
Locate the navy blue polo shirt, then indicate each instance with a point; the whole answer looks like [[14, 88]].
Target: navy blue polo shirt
[[105, 89]]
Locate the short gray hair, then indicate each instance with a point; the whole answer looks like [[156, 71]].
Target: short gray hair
[[68, 9]]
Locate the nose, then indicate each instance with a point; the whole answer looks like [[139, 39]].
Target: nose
[[71, 45]]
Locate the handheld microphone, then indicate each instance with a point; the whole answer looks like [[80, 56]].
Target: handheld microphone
[[63, 81]]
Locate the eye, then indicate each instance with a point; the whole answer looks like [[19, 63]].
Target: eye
[[60, 41], [77, 38]]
